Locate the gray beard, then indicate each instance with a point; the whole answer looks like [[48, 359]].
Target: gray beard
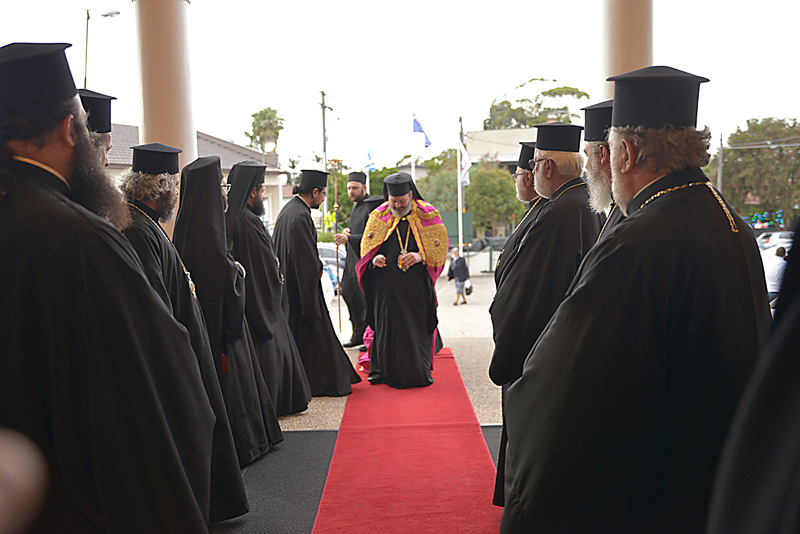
[[397, 213], [599, 195]]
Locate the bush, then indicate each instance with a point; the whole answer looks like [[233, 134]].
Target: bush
[[325, 237]]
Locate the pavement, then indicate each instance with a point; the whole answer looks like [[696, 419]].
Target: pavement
[[466, 329]]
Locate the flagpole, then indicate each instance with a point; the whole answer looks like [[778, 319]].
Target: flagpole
[[460, 205]]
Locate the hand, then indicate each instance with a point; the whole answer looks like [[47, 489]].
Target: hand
[[379, 261], [407, 260], [341, 239]]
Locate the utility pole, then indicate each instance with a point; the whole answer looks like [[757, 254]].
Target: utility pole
[[324, 152]]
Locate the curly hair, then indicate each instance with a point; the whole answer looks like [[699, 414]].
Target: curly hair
[[665, 149], [141, 186]]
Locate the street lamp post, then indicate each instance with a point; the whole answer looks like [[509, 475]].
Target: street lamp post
[[86, 50]]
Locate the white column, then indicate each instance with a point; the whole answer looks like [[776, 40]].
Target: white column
[[629, 37], [166, 80]]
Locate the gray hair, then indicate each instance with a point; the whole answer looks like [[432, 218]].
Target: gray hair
[[665, 149], [567, 163], [143, 187]]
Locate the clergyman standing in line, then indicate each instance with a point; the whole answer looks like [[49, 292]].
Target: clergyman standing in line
[[327, 366], [151, 188], [98, 109], [220, 284], [276, 349], [363, 204], [542, 266], [598, 164]]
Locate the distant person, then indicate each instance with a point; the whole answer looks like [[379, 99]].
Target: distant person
[[459, 272], [275, 347], [96, 371], [98, 109], [219, 280], [774, 267], [618, 420], [403, 252], [598, 165], [327, 366], [363, 204], [150, 188]]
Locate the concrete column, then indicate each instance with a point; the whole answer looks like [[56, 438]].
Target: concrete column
[[166, 80], [629, 37]]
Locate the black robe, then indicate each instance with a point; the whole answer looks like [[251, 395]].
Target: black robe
[[618, 420], [219, 283], [615, 216], [165, 271], [757, 487], [511, 248], [275, 346], [328, 368], [532, 280], [96, 371], [351, 291], [401, 308]]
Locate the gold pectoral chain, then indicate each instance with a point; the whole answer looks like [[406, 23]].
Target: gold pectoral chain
[[734, 229], [185, 270], [403, 246]]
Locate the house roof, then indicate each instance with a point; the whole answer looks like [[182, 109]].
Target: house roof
[[500, 145], [124, 136]]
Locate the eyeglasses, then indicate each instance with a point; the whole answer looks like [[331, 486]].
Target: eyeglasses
[[517, 175], [533, 162], [226, 187]]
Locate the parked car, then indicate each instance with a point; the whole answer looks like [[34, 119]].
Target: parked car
[[771, 239], [483, 243], [327, 255]]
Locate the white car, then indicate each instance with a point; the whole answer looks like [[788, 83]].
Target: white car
[[771, 239]]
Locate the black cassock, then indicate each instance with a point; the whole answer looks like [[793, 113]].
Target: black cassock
[[165, 271], [328, 368], [401, 307], [615, 216], [277, 351], [510, 250], [618, 420], [532, 278], [96, 371], [220, 286], [756, 488], [351, 291]]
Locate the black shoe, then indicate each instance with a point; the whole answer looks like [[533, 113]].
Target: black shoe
[[362, 348], [351, 343], [373, 380]]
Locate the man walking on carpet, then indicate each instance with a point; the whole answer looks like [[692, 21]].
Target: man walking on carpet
[[403, 252]]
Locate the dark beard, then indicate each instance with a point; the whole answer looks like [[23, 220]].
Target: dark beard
[[258, 206], [92, 188], [166, 209]]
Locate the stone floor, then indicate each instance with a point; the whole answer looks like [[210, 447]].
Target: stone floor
[[466, 329]]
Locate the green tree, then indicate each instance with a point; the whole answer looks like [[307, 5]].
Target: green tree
[[439, 186], [525, 113], [266, 128], [761, 170], [492, 197]]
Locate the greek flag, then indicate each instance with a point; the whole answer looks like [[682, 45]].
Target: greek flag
[[418, 128]]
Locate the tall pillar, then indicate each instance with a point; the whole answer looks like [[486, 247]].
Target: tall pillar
[[166, 80], [629, 37]]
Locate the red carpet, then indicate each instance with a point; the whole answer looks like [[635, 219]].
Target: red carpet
[[410, 461]]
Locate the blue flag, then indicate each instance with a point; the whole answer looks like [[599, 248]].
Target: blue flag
[[370, 166], [418, 128]]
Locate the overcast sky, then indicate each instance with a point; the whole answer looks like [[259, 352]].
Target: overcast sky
[[379, 62]]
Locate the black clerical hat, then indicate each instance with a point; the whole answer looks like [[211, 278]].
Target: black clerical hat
[[250, 168], [655, 97], [33, 76], [317, 179], [359, 177], [598, 121], [98, 106], [155, 158], [558, 136], [398, 183], [526, 154]]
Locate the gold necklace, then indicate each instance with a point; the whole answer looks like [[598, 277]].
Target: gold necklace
[[606, 223], [185, 270], [403, 246], [734, 229], [567, 189]]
